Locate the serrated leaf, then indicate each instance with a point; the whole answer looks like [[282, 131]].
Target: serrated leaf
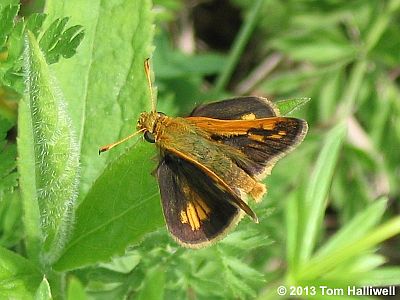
[[43, 292], [7, 15], [49, 156], [289, 105], [19, 279], [120, 208], [58, 41], [34, 23]]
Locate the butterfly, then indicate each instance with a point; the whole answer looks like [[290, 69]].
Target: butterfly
[[211, 161]]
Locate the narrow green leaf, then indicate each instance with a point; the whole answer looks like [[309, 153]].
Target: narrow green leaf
[[313, 206], [121, 207], [289, 105], [322, 264], [384, 276], [27, 182], [357, 228], [43, 292], [19, 278], [292, 221], [53, 162]]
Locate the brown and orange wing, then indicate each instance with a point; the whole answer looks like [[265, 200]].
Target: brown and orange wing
[[197, 210], [237, 109], [262, 141]]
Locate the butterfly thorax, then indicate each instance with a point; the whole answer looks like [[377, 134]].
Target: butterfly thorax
[[150, 123]]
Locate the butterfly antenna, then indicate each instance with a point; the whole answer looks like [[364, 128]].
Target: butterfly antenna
[[147, 71], [110, 146]]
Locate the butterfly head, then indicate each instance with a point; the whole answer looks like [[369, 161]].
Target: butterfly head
[[147, 122]]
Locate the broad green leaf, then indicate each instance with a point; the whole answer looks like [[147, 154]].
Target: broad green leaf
[[19, 278], [49, 155], [76, 290], [313, 206], [43, 292], [154, 285], [121, 207], [105, 82], [289, 105]]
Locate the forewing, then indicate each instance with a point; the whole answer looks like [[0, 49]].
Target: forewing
[[197, 211], [262, 141], [237, 108]]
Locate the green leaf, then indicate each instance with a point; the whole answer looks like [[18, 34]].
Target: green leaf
[[121, 207], [19, 279], [34, 23], [357, 228], [153, 287], [316, 47], [105, 82], [75, 290], [312, 208], [43, 292], [289, 105], [384, 276], [58, 41], [8, 154], [322, 264], [7, 15], [49, 155]]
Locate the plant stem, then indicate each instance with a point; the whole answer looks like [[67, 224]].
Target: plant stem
[[240, 43]]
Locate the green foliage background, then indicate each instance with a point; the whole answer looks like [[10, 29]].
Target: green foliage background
[[71, 78]]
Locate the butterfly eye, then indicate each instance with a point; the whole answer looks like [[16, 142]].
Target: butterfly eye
[[161, 114], [148, 136]]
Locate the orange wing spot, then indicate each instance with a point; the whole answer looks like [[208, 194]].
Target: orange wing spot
[[184, 218], [248, 117], [194, 221], [268, 125], [195, 212], [256, 137], [282, 132], [275, 136], [202, 209]]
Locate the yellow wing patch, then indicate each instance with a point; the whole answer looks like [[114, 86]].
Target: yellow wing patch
[[248, 117], [195, 212]]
